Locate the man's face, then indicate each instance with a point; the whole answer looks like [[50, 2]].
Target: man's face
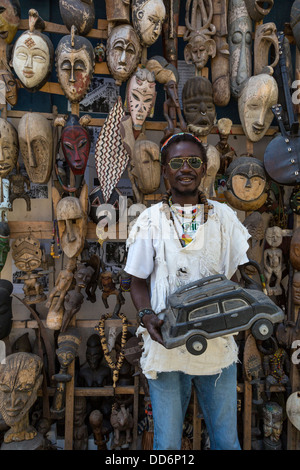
[[186, 180]]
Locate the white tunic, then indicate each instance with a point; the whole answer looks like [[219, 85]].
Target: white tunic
[[218, 247]]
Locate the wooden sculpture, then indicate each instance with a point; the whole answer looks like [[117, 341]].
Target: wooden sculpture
[[80, 13], [199, 32], [257, 9], [9, 147], [254, 223], [121, 421], [20, 381], [36, 144], [75, 62], [252, 368], [220, 62], [10, 17], [4, 199], [95, 420], [273, 260], [265, 40], [207, 184], [117, 12], [240, 45], [71, 215], [255, 102], [4, 243], [170, 31], [147, 19], [6, 289], [94, 373], [273, 421], [32, 55], [227, 153], [8, 84], [80, 431], [246, 184], [18, 184]]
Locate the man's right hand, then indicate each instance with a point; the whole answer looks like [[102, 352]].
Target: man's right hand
[[153, 325]]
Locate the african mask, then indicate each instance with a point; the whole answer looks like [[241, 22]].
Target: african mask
[[32, 55], [258, 96], [8, 87], [246, 184], [258, 9], [4, 243], [207, 184], [145, 167], [123, 52], [9, 147], [117, 12], [198, 51], [71, 215], [240, 41], [198, 106], [19, 383], [10, 15], [272, 424], [75, 142], [264, 41], [6, 289], [75, 61], [80, 13], [147, 19], [141, 96], [35, 139], [27, 253]]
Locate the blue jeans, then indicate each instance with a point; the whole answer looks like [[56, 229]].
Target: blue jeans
[[170, 395]]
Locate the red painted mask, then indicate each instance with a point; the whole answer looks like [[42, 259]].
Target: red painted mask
[[75, 143]]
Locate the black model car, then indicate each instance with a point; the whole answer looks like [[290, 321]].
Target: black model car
[[215, 306]]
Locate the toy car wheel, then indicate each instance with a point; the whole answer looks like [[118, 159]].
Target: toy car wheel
[[262, 329], [196, 345]]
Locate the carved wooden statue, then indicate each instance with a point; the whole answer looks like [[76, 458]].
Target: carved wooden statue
[[32, 55], [19, 383], [94, 373], [10, 16], [257, 9], [4, 199], [265, 40], [95, 420], [199, 32], [170, 31], [220, 75], [273, 260], [122, 421], [18, 184], [255, 102], [254, 223], [36, 144], [9, 147], [80, 13], [207, 184], [227, 153], [147, 19], [108, 287], [272, 424], [80, 431], [117, 12], [8, 83]]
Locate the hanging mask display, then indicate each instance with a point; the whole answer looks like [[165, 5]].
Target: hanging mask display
[[9, 147], [32, 55], [265, 40], [123, 52], [36, 142], [71, 215], [145, 168], [75, 62], [258, 9], [147, 19], [240, 44], [80, 13], [198, 106], [4, 243], [140, 97], [255, 102], [246, 184], [10, 16]]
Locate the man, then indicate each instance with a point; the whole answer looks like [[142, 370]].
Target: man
[[177, 241]]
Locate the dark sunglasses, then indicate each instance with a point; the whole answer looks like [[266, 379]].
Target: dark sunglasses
[[177, 162]]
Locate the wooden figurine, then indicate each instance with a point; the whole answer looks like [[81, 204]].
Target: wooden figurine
[[117, 12], [246, 184], [10, 16], [257, 9], [18, 184], [4, 199], [71, 215], [227, 153], [252, 368], [68, 344], [170, 31], [199, 32], [108, 287], [240, 45], [4, 243], [36, 146], [220, 75], [122, 422], [32, 55], [9, 147], [27, 255], [6, 289], [272, 425], [259, 94], [20, 381], [123, 51], [273, 260], [207, 185], [198, 106], [80, 431], [94, 373], [75, 62], [95, 420], [265, 40], [8, 83], [80, 13], [254, 223], [147, 19]]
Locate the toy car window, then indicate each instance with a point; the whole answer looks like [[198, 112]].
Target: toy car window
[[234, 304], [210, 309]]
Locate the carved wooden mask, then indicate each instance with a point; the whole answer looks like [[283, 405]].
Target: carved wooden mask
[[36, 142], [32, 55], [27, 253], [80, 13], [258, 96], [10, 15], [240, 42], [146, 166], [75, 61], [258, 9], [140, 96], [75, 142], [265, 39], [147, 19], [123, 52], [9, 147], [8, 86]]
